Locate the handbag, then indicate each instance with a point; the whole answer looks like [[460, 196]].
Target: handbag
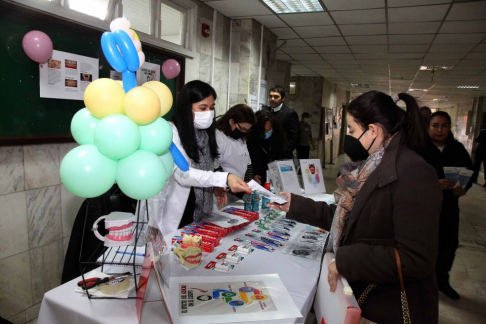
[[403, 295]]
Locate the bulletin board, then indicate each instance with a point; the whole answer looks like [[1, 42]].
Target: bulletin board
[[25, 118]]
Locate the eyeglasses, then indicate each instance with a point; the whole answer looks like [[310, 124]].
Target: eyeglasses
[[244, 130]]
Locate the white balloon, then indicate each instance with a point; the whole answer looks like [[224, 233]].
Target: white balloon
[[120, 23], [130, 34], [137, 44], [141, 57]]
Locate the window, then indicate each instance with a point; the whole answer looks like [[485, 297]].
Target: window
[[139, 14], [172, 24], [94, 8]]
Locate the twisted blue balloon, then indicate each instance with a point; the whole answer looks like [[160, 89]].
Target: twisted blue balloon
[[127, 62]]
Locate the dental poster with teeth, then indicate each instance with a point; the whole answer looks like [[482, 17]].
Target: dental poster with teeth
[[161, 252], [230, 299]]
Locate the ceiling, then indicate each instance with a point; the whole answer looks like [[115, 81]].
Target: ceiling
[[382, 43]]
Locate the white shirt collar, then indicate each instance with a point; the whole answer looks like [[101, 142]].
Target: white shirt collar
[[278, 108]]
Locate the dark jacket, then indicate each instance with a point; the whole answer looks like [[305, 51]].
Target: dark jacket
[[263, 151], [289, 120], [481, 140], [453, 155], [398, 206]]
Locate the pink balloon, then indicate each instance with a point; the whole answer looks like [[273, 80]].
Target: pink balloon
[[171, 69], [38, 46]]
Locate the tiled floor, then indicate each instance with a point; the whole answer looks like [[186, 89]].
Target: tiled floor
[[468, 275]]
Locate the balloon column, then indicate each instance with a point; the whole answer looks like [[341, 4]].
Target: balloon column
[[122, 136]]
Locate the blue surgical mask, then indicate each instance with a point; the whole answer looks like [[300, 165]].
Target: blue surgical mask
[[268, 134]]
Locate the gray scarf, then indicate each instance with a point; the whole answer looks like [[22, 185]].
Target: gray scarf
[[204, 196]]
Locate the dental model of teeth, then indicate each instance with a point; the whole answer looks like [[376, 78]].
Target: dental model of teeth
[[189, 253]]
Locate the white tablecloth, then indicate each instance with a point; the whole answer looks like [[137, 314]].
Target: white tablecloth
[[63, 305]]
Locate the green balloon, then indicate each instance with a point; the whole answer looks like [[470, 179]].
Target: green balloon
[[156, 137], [117, 136], [168, 161], [83, 126], [86, 172], [141, 176]]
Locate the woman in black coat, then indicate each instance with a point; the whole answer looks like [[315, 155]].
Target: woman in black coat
[[390, 199], [447, 152]]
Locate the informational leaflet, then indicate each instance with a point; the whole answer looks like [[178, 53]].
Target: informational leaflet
[[230, 299], [148, 72], [161, 252], [254, 103], [312, 176], [284, 176], [66, 75]]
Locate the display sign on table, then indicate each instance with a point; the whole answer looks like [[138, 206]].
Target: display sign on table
[[230, 299], [284, 178], [312, 176]]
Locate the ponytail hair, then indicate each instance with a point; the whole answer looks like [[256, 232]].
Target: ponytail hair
[[376, 107]]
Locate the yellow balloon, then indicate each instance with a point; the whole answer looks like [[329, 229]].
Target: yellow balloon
[[142, 105], [104, 97], [119, 82], [135, 34], [164, 94]]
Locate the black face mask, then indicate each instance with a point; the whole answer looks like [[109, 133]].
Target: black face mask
[[237, 134], [354, 149]]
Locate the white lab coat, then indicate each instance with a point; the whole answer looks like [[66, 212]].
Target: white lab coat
[[233, 154], [168, 206]]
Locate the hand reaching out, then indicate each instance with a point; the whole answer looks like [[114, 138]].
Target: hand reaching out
[[284, 207]]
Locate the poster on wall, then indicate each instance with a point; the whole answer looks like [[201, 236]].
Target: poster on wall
[[115, 75], [66, 75], [148, 72], [263, 93], [312, 176], [230, 299], [254, 103]]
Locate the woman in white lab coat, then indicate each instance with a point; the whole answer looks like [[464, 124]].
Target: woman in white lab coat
[[232, 131], [188, 196]]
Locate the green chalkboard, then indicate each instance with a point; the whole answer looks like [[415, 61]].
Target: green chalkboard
[[25, 118]]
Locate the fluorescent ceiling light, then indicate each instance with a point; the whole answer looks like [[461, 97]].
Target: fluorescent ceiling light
[[418, 89], [435, 68], [360, 85], [467, 87], [292, 6]]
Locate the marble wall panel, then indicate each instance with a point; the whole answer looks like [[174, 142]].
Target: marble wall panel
[[11, 169], [192, 68], [13, 225], [205, 68], [41, 166], [44, 221], [16, 292], [47, 264]]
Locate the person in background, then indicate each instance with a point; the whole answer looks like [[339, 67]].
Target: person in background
[[450, 153], [426, 113], [265, 144], [480, 155], [287, 118], [190, 194], [390, 199], [233, 129], [306, 142]]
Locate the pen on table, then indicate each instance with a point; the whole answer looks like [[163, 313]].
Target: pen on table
[[131, 253]]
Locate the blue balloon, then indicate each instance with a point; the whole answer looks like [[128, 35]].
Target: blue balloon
[[128, 50], [129, 80], [116, 60], [179, 159]]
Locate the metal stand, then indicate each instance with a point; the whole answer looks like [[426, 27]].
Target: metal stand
[[127, 259]]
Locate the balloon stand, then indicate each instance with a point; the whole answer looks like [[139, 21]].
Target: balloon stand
[[122, 257]]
